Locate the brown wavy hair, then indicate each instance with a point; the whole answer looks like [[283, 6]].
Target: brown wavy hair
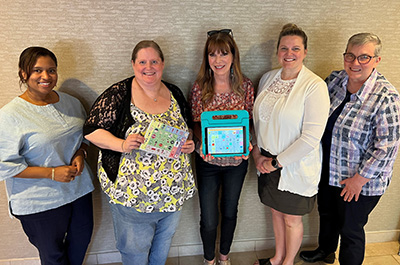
[[219, 42]]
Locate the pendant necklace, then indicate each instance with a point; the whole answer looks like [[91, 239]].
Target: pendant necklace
[[154, 99]]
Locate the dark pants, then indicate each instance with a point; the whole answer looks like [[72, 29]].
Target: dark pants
[[209, 179], [346, 219], [61, 235]]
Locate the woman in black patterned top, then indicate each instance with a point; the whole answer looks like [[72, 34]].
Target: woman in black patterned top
[[146, 190]]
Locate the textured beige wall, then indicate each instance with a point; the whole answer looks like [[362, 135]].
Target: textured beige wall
[[93, 41]]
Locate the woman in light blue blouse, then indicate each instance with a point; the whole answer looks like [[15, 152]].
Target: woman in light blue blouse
[[42, 155]]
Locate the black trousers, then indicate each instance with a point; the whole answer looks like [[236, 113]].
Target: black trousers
[[346, 219], [61, 235], [210, 179]]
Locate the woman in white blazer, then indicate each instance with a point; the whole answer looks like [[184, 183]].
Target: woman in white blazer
[[290, 113]]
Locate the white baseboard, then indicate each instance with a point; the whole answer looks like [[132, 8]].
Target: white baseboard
[[382, 236], [197, 249], [269, 243]]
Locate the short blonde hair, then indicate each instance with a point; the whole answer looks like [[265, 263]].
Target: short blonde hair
[[364, 38]]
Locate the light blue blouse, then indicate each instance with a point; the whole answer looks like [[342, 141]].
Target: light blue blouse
[[43, 136]]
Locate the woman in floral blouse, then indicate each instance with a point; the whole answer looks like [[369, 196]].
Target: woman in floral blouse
[[146, 191], [220, 85]]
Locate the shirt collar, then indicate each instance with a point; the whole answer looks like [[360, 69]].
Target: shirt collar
[[366, 88]]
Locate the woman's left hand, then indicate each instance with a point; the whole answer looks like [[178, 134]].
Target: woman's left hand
[[188, 147], [78, 162], [268, 166], [243, 156], [353, 187]]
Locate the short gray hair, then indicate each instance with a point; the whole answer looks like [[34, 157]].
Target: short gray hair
[[364, 38]]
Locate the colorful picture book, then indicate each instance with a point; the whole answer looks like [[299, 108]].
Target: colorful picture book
[[164, 140]]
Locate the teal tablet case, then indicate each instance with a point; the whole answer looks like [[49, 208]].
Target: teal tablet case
[[238, 118]]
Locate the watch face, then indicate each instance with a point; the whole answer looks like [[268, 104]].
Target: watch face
[[274, 163]]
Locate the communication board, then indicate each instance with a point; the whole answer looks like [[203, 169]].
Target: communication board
[[164, 140]]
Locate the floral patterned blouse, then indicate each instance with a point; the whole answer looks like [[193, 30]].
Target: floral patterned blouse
[[222, 101], [149, 182]]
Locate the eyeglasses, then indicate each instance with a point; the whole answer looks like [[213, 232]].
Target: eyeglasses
[[226, 31], [362, 59]]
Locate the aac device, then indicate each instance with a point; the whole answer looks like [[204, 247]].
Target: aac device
[[225, 133]]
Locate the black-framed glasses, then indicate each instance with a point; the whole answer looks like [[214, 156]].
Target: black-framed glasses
[[362, 59], [226, 31]]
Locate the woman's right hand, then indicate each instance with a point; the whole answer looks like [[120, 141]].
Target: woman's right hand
[[65, 173], [260, 160], [207, 157], [133, 141], [106, 140], [261, 163]]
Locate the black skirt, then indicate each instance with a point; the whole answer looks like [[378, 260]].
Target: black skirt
[[282, 201]]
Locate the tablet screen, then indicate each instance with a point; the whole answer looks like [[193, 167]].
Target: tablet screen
[[225, 140]]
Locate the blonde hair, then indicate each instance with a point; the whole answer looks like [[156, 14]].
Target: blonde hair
[[364, 38], [291, 29]]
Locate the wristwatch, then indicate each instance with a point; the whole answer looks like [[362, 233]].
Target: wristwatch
[[275, 163]]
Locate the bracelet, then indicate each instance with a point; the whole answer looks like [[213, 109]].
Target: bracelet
[[122, 146], [52, 173], [84, 152]]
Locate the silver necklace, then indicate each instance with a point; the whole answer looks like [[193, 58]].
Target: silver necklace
[[154, 99]]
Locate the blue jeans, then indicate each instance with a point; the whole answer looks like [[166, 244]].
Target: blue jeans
[[210, 179], [143, 238], [61, 235]]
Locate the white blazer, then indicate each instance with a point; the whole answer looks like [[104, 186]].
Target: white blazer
[[294, 130]]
